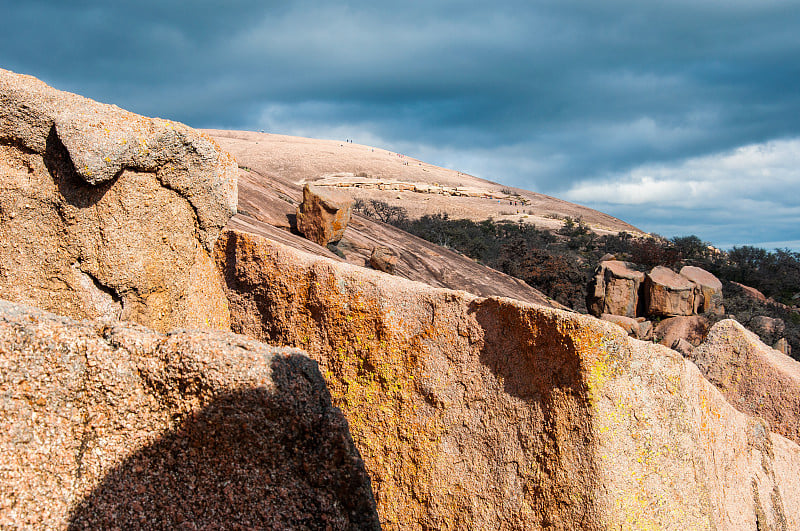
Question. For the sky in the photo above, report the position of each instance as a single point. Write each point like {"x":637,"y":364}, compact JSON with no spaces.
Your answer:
{"x":680,"y":117}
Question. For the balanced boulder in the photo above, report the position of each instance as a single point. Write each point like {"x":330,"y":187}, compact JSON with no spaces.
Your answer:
{"x":323,"y":215}
{"x":107,"y":213}
{"x":667,"y":293}
{"x":614,"y":289}
{"x":708,"y":290}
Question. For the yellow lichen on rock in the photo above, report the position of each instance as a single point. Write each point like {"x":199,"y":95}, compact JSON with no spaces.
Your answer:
{"x":494,"y":414}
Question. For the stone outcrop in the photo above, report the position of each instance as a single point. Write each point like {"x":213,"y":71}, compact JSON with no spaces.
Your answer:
{"x":383,"y":259}
{"x":108,"y":425}
{"x":107,"y":213}
{"x":755,"y":378}
{"x":622,"y":295}
{"x":767,"y":326}
{"x":494,"y":414}
{"x":708,"y":290}
{"x":323,"y":215}
{"x":667,"y":293}
{"x":615,"y":289}
{"x":753,"y":293}
{"x":691,"y":329}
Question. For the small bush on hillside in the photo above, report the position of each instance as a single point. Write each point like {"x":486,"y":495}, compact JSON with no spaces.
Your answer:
{"x":578,"y":234}
{"x":560,"y":264}
{"x":382,"y":211}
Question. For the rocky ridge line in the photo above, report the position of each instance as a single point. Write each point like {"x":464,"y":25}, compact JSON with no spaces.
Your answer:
{"x":102,"y":140}
{"x":495,"y":414}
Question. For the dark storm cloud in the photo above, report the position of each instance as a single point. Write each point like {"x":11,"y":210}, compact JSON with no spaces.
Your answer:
{"x":538,"y":94}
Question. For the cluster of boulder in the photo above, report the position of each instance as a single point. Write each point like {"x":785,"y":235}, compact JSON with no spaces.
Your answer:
{"x":382,"y":402}
{"x":680,"y":302}
{"x":621,"y":294}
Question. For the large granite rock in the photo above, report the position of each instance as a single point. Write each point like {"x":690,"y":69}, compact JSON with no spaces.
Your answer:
{"x":614,"y":289}
{"x":476,"y":413}
{"x":323,"y":215}
{"x":755,"y":378}
{"x":667,"y":293}
{"x":107,"y":213}
{"x":708,"y":290}
{"x":112,"y":426}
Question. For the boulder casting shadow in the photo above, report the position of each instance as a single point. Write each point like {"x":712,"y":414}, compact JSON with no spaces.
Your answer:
{"x":262,"y":458}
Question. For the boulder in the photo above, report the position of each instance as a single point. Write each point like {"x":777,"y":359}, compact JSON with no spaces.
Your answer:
{"x":693,"y":329}
{"x":323,"y":215}
{"x":645,"y":330}
{"x":708,"y":290}
{"x":614,"y":289}
{"x":489,"y":413}
{"x":629,"y":324}
{"x":756,"y":379}
{"x":107,"y":213}
{"x":683,"y":346}
{"x":383,"y":259}
{"x":753,"y":293}
{"x":668,"y":293}
{"x":768,"y":328}
{"x":640,"y":329}
{"x":113,"y":426}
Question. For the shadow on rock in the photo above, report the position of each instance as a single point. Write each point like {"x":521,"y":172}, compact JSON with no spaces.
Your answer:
{"x":260,"y":458}
{"x":537,"y":360}
{"x":72,"y":187}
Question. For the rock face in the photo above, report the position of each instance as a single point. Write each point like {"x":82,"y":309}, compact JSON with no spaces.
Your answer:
{"x":323,"y":215}
{"x":615,"y":289}
{"x":668,"y":293}
{"x":383,"y":259}
{"x":476,"y":413}
{"x":708,"y":290}
{"x":112,"y":426}
{"x":755,"y":378}
{"x":106,"y":213}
